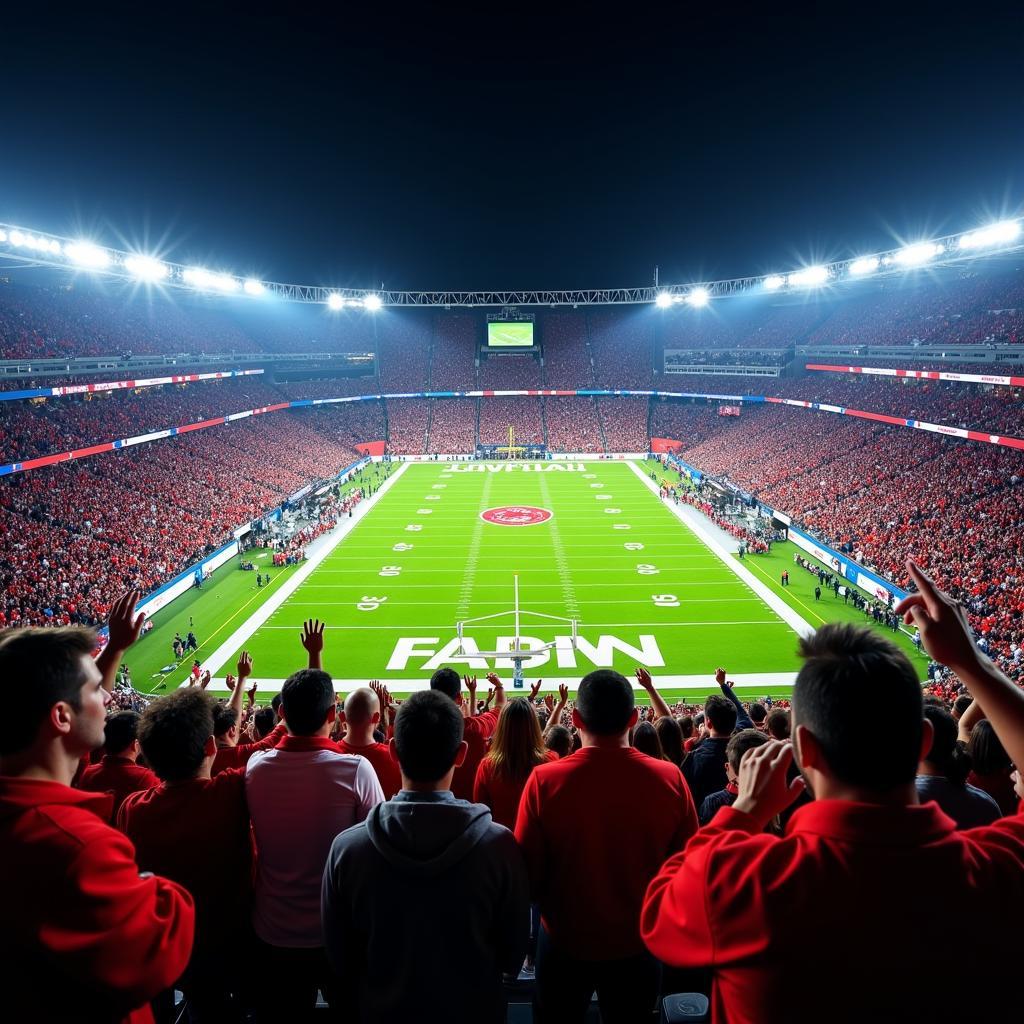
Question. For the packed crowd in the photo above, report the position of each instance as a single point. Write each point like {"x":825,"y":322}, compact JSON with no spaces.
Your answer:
{"x":261,"y":858}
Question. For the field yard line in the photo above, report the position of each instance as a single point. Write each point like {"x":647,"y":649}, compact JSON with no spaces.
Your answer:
{"x":618,"y":624}
{"x":800,"y":625}
{"x":756,"y":682}
{"x":473,"y":556}
{"x":263,"y":613}
{"x":561,"y":562}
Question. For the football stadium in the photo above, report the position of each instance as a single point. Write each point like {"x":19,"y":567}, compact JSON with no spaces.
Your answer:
{"x":379,"y":647}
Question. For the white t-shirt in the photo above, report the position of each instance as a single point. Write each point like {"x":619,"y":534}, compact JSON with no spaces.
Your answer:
{"x":301,"y":795}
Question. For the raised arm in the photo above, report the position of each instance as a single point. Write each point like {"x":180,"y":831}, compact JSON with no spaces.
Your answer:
{"x":946,"y":636}
{"x":556,"y":712}
{"x":659,"y":708}
{"x":312,"y":637}
{"x":499,"y":690}
{"x":743,"y":720}
{"x":244,"y":671}
{"x":123,"y":629}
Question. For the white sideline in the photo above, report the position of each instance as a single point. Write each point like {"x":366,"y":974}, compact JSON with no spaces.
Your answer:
{"x":801,"y":626}
{"x":755,"y":682}
{"x":237,"y":639}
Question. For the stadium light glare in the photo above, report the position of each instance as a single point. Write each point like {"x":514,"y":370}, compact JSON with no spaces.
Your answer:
{"x":698,"y":297}
{"x":146,"y":268}
{"x":663,"y":300}
{"x":253,"y":287}
{"x":208,"y":280}
{"x":17,"y":238}
{"x":1002,"y":233}
{"x":918,"y":253}
{"x":372,"y":303}
{"x":773,"y":282}
{"x":3,"y":235}
{"x":335,"y":301}
{"x":87,"y":254}
{"x":809,"y":277}
{"x":864,"y":265}
{"x":54,"y":246}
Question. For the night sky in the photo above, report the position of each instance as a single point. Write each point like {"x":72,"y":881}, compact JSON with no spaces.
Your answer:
{"x":509,"y":149}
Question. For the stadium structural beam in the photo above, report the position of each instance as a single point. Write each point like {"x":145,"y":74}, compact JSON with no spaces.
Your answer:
{"x":40,"y":249}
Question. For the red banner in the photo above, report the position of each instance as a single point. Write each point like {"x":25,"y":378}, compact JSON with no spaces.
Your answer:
{"x":661,"y":445}
{"x":371,"y":447}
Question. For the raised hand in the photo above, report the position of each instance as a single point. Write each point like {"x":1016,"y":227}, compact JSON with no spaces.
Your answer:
{"x":490,"y":697}
{"x":204,"y":682}
{"x":945,"y":632}
{"x":123,"y":625}
{"x":244,"y":667}
{"x":535,"y":689}
{"x":312,"y":637}
{"x":720,"y":676}
{"x":549,"y":703}
{"x":251,"y":694}
{"x":229,"y":680}
{"x":563,"y":694}
{"x":643,"y":677}
{"x":764,"y":789}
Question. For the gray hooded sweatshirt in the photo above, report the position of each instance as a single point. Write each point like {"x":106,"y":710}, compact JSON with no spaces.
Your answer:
{"x":425,"y":904}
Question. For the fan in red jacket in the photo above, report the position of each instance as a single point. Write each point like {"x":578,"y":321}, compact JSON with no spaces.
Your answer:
{"x":231,"y":753}
{"x":361,"y":716}
{"x":85,"y":936}
{"x":847,"y":916}
{"x":118,"y":773}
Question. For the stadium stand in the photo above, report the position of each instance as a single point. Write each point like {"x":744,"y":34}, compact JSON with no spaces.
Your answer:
{"x":573,"y":425}
{"x":522,"y":414}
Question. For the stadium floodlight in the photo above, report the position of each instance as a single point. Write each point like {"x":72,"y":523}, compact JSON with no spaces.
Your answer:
{"x":372,"y":303}
{"x":1002,"y":233}
{"x":773,"y":282}
{"x":17,"y":238}
{"x":87,"y":254}
{"x":864,"y":265}
{"x":809,"y":277}
{"x":253,"y":287}
{"x":698,"y":297}
{"x":208,"y":280}
{"x":335,"y":301}
{"x":146,"y":268}
{"x":663,"y":300}
{"x":918,"y":253}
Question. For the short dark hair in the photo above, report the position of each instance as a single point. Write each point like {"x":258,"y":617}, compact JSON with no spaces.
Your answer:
{"x":740,"y":742}
{"x":777,"y":724}
{"x":265,"y":720}
{"x":962,"y":703}
{"x":307,"y":698}
{"x":173,"y":732}
{"x":605,"y":702}
{"x":758,"y":713}
{"x":120,"y":731}
{"x":447,"y":681}
{"x":224,"y":717}
{"x":946,"y":753}
{"x":842,"y":663}
{"x":45,"y":665}
{"x":275,"y":702}
{"x":720,"y":714}
{"x":428,"y":731}
{"x":559,"y":739}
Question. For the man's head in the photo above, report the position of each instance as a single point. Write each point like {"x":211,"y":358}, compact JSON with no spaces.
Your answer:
{"x":960,"y":705}
{"x":446,"y":681}
{"x":362,"y":708}
{"x":842,"y":664}
{"x":225,"y":724}
{"x":720,"y":715}
{"x":265,"y":719}
{"x":738,"y":745}
{"x":56,"y":691}
{"x":605,"y":705}
{"x":176,"y":734}
{"x":119,"y":734}
{"x":776,"y":725}
{"x":428,"y":742}
{"x":307,"y":701}
{"x":758,"y":713}
{"x":559,"y":739}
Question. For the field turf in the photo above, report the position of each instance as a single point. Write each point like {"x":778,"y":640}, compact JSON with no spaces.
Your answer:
{"x":644,"y":588}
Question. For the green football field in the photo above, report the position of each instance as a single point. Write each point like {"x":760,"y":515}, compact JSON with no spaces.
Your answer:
{"x":643,"y":587}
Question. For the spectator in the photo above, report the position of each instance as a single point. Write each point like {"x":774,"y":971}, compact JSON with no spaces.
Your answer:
{"x":362,"y":714}
{"x":777,"y":724}
{"x":645,"y":739}
{"x":704,"y":769}
{"x":590,"y":844}
{"x":991,"y":767}
{"x":517,"y":747}
{"x":942,"y":775}
{"x":739,"y":743}
{"x":479,"y":728}
{"x":671,"y":736}
{"x":758,"y":713}
{"x":85,"y":934}
{"x":772,"y":963}
{"x":231,"y":753}
{"x":558,"y":739}
{"x":118,"y":773}
{"x":424,"y":875}
{"x":301,"y":795}
{"x":194,"y":828}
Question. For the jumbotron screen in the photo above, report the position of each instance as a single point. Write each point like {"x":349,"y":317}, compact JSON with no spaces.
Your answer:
{"x":509,"y":335}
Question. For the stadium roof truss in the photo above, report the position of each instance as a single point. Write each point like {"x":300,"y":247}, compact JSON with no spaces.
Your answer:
{"x":30,"y":248}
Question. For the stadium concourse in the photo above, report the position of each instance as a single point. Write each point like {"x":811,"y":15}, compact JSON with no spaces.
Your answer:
{"x":248,"y":905}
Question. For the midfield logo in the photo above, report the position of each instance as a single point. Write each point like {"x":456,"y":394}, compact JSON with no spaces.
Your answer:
{"x":516,"y":515}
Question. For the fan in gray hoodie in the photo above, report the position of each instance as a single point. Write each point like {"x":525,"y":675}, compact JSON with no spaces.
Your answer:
{"x":425,"y":903}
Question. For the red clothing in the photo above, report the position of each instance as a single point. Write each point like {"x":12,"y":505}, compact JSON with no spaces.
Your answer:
{"x":238,"y":755}
{"x":999,"y":786}
{"x":84,"y":936}
{"x":389,"y":775}
{"x":477,"y":731}
{"x":197,"y":833}
{"x":502,"y":795}
{"x":595,"y":828}
{"x":118,"y":776}
{"x":846,"y":917}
